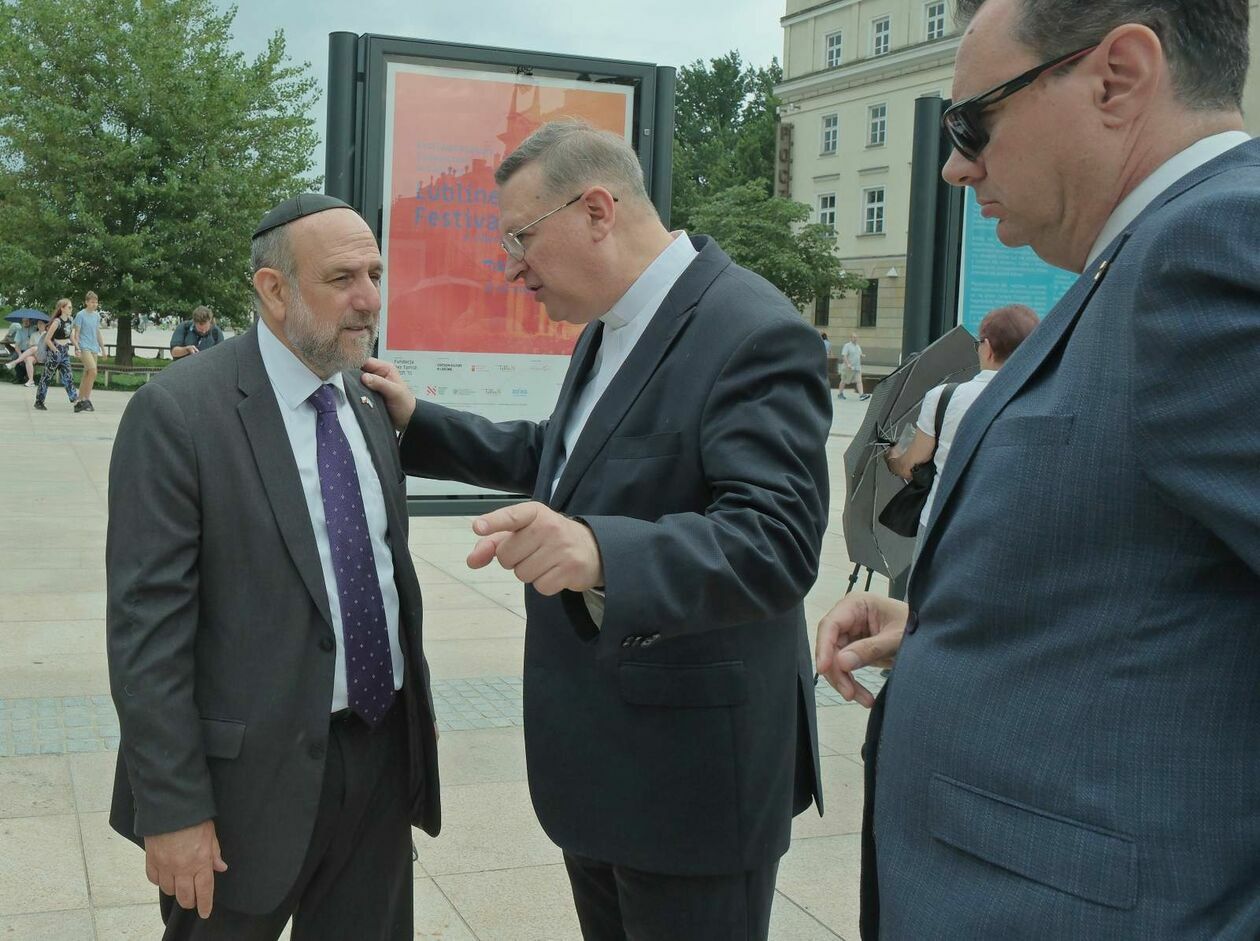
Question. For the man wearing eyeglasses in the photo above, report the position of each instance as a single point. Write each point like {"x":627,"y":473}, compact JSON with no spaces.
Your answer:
{"x":1070,"y":741}
{"x":679,"y":501}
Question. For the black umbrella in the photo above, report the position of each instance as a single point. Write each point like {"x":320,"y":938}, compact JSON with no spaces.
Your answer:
{"x":27,"y":314}
{"x":894,"y":406}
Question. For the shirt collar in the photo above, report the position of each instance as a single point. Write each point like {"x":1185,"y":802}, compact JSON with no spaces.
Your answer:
{"x":1189,"y":160}
{"x":664,"y":270}
{"x":290,"y":377}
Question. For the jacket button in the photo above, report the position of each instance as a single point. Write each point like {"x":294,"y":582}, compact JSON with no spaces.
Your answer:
{"x":912,"y":623}
{"x":628,"y":640}
{"x":327,"y":643}
{"x":651,"y":639}
{"x":316,"y":750}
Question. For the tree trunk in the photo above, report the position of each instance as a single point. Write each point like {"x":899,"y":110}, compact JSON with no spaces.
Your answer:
{"x":124,"y":355}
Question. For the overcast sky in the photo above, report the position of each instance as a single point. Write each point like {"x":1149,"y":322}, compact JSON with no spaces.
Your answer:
{"x":663,"y":32}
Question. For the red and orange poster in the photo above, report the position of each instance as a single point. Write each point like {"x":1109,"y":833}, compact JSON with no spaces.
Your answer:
{"x":448,"y":131}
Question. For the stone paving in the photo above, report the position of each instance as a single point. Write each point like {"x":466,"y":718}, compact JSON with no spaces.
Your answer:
{"x":491,"y":876}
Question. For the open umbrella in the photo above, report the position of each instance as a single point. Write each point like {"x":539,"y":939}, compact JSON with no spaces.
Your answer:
{"x":27,"y":314}
{"x":894,"y":405}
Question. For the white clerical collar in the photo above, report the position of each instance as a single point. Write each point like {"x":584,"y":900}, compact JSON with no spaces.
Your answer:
{"x":1145,"y":193}
{"x":664,"y":270}
{"x":291,"y":378}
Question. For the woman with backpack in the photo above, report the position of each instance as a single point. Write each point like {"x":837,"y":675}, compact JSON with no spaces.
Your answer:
{"x":57,"y":354}
{"x":1001,"y":332}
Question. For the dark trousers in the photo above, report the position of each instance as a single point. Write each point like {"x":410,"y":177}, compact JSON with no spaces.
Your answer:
{"x":356,"y":880}
{"x":868,"y":923}
{"x":616,"y":903}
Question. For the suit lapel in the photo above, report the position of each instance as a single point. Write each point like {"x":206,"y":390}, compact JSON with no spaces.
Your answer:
{"x":580,"y":365}
{"x":667,"y":322}
{"x":378,"y":438}
{"x":269,"y":440}
{"x":1046,"y":341}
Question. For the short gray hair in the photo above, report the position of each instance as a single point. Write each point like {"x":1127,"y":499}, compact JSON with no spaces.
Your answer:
{"x":272,"y":250}
{"x":574,"y":155}
{"x":1205,"y":40}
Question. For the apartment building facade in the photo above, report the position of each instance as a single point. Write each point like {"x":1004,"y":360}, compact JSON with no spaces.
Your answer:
{"x":852,"y":70}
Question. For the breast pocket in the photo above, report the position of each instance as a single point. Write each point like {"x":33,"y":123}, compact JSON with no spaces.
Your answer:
{"x":1030,"y":431}
{"x":638,"y":447}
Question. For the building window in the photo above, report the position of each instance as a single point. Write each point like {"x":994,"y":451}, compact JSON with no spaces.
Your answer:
{"x":827,"y":211}
{"x":935,"y":21}
{"x":873,"y":211}
{"x":881,"y":36}
{"x":830,"y":133}
{"x":834,"y":42}
{"x":878,"y":125}
{"x":822,"y":310}
{"x":870,"y":304}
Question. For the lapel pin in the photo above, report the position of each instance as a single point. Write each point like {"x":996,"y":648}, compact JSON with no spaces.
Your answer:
{"x":366,"y":401}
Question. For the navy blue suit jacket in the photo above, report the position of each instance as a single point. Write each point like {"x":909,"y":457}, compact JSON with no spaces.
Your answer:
{"x":1071,"y":747}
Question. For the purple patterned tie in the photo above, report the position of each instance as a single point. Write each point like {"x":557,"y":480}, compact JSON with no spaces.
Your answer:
{"x":369,"y":663}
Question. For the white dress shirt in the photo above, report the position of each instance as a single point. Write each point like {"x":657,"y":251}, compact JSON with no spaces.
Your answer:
{"x":1168,"y":173}
{"x":623,"y":326}
{"x":293,"y":383}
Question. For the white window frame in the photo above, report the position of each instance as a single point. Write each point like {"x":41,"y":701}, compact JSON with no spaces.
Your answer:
{"x":827,"y":214}
{"x":830,"y":139}
{"x":885,"y":35}
{"x":829,"y":61}
{"x":877,"y":127}
{"x":929,"y":19}
{"x":874,"y":224}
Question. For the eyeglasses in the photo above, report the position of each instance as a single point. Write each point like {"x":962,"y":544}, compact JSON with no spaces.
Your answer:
{"x":981,"y":341}
{"x":962,"y":121}
{"x":511,"y":241}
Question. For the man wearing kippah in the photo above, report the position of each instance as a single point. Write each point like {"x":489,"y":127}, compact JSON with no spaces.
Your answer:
{"x":264,"y":619}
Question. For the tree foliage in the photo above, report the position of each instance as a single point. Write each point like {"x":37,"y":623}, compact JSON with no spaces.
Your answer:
{"x":724,"y":145}
{"x":137,"y":151}
{"x":770,"y":235}
{"x":724,"y":122}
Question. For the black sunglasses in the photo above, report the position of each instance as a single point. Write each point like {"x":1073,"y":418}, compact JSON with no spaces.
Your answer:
{"x":962,"y":122}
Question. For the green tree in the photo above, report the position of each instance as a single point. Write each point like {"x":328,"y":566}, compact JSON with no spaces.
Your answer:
{"x":768,"y":235}
{"x":724,"y":130}
{"x":137,"y":151}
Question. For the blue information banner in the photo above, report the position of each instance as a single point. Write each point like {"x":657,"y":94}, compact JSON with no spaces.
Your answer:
{"x":993,"y":275}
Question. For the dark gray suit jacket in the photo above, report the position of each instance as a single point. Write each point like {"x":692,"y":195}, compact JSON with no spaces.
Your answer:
{"x":221,"y":650}
{"x":681,"y":737}
{"x":1071,"y":747}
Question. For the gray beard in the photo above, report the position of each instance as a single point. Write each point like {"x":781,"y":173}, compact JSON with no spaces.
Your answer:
{"x":321,"y":349}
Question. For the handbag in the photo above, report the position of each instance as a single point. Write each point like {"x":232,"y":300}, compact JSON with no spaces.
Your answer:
{"x":901,"y":513}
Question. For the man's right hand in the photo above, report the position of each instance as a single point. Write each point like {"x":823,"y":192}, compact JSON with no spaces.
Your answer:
{"x":183,"y":864}
{"x":383,"y":379}
{"x":861,"y":630}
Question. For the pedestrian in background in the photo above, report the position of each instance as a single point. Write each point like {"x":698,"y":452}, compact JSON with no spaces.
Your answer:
{"x":57,"y":355}
{"x":85,"y":336}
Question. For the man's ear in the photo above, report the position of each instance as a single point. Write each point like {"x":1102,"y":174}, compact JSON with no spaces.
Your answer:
{"x":273,"y":290}
{"x":601,"y":211}
{"x":1131,"y":68}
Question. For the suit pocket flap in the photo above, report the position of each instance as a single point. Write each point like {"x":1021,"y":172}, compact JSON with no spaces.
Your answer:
{"x":684,"y":686}
{"x":1085,"y":861}
{"x":222,"y":738}
{"x":639,"y":446}
{"x":1030,"y":431}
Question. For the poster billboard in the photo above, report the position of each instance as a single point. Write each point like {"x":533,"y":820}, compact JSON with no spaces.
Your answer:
{"x":457,"y":331}
{"x":993,"y":275}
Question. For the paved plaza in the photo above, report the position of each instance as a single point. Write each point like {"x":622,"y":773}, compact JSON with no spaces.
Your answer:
{"x":491,"y":876}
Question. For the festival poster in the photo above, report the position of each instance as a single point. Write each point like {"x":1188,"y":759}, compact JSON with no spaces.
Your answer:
{"x":457,"y":331}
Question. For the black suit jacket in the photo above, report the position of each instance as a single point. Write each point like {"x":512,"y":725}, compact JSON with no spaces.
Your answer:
{"x":680,"y":737}
{"x":220,"y":643}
